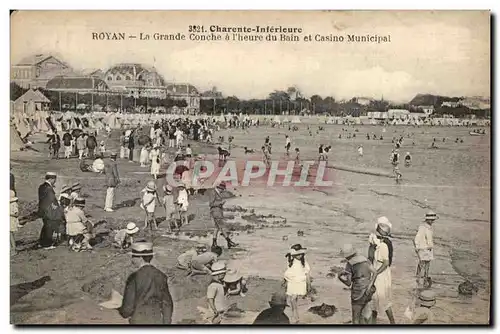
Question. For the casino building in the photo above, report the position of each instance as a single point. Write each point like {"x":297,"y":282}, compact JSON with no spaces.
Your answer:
{"x":138,"y":80}
{"x":130,"y":79}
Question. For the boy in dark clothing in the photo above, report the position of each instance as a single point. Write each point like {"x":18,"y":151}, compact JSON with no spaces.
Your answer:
{"x":359,"y":275}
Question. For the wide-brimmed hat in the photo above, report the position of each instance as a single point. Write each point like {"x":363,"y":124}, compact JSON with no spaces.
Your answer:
{"x":132,"y":228}
{"x":79,"y":201}
{"x":65,"y":188}
{"x":151,"y":186}
{"x":383,"y":226}
{"x":383,"y":230}
{"x":348,"y":250}
{"x":232,"y":276}
{"x":427,"y":298}
{"x":218,"y":267}
{"x":50,"y":175}
{"x":278,"y":299}
{"x":140,"y":249}
{"x":76,"y":186}
{"x":297,"y":249}
{"x":181,"y":185}
{"x":222,"y":185}
{"x":113,"y":155}
{"x":431,"y":215}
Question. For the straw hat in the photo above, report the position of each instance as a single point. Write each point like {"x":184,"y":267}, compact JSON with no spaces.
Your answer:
{"x":431,"y":215}
{"x":151,"y":186}
{"x":232,"y":276}
{"x":383,"y":226}
{"x":278,"y":299}
{"x":297,"y":249}
{"x":65,"y":188}
{"x":51,"y":175}
{"x":167,"y":188}
{"x":427,"y":298}
{"x":383,"y":230}
{"x":181,"y":185}
{"x":348,"y":251}
{"x":76,"y":186}
{"x":218,"y":267}
{"x":113,"y":155}
{"x":140,"y":249}
{"x":132,"y":228}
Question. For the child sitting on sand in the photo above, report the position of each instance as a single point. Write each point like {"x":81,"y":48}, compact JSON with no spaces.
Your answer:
{"x":422,"y":314}
{"x":184,"y":260}
{"x":201,"y":264}
{"x":78,"y":227}
{"x":124,"y":238}
{"x":407,"y":159}
{"x":234,"y":284}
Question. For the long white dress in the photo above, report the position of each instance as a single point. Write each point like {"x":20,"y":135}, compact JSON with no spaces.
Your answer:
{"x":296,"y":278}
{"x":382,"y":299}
{"x":144,"y":156}
{"x":154,"y":155}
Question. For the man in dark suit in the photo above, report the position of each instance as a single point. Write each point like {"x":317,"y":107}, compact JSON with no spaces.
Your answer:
{"x":49,"y":210}
{"x":147,"y":299}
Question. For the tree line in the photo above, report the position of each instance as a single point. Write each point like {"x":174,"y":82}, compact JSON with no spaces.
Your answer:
{"x":213,"y":103}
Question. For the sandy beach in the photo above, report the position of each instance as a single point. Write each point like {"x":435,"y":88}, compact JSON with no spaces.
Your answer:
{"x":453,"y":180}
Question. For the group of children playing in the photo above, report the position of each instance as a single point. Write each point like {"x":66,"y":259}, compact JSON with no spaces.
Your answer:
{"x":78,"y":227}
{"x":149,"y":197}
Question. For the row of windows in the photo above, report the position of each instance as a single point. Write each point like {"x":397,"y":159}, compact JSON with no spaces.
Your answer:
{"x":22,"y":74}
{"x":119,"y":78}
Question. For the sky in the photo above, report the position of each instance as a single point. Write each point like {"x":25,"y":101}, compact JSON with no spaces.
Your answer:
{"x":437,"y":52}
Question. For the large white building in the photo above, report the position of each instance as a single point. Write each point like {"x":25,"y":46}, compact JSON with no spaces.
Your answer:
{"x":138,"y":80}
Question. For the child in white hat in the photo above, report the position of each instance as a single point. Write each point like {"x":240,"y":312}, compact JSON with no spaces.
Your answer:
{"x":215,"y":292}
{"x":148,"y":204}
{"x":124,"y":238}
{"x":235,"y":284}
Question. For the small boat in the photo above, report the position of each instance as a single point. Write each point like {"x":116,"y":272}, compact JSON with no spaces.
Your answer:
{"x":472,"y":133}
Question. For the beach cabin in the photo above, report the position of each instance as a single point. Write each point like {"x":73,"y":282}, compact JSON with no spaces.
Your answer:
{"x":31,"y":102}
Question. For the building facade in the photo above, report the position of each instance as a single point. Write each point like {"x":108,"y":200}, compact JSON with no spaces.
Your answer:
{"x":137,"y":80}
{"x":35,"y":71}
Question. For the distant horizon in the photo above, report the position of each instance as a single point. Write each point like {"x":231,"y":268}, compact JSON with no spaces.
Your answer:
{"x":445,"y":53}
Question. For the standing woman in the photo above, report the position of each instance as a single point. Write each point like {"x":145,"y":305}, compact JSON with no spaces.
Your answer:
{"x":380,"y":254}
{"x":154,"y":156}
{"x":144,"y":158}
{"x":297,"y":277}
{"x":131,"y":146}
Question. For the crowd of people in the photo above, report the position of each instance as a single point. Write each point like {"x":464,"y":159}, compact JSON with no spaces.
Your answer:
{"x":147,"y":298}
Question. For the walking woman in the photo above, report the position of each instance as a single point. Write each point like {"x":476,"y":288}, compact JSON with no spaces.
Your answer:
{"x":380,"y":254}
{"x":297,"y":277}
{"x":154,"y":156}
